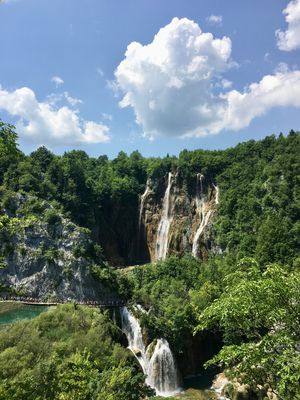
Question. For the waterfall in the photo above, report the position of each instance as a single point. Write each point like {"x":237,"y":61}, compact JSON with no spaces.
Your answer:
{"x":203,"y":212}
{"x":133,"y":332}
{"x":142,"y":202}
{"x":164,"y":224}
{"x":162,"y":371}
{"x":159,"y":367}
{"x":217,"y":193}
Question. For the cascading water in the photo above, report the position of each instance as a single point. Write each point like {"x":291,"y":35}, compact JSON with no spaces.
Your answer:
{"x":217,"y":193}
{"x":142,"y":202}
{"x":203,"y":212}
{"x":133,"y":332}
{"x":159,"y":367}
{"x":164,"y":224}
{"x":162,"y":371}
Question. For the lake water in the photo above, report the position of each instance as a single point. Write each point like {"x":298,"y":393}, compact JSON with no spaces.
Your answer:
{"x":12,"y":312}
{"x":202,"y":381}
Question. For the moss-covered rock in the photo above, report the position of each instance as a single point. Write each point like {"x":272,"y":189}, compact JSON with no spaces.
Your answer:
{"x":38,"y":257}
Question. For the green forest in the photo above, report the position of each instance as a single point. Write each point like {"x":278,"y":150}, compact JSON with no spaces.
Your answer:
{"x":242,"y":303}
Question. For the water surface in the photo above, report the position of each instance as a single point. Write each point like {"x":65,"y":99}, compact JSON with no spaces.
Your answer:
{"x":12,"y":312}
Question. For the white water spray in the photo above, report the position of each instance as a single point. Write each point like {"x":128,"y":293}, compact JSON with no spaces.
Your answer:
{"x":203,"y":212}
{"x":159,"y":367}
{"x":164,"y":224}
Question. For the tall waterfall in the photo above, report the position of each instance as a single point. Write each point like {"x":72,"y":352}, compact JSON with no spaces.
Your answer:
{"x":159,"y":367}
{"x":203,"y":212}
{"x":142,"y":202}
{"x":164,"y":224}
{"x":217,"y":193}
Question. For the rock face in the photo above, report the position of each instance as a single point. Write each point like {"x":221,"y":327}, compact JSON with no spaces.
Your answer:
{"x":164,"y":220}
{"x":117,"y":232}
{"x":46,"y":259}
{"x":190,"y":212}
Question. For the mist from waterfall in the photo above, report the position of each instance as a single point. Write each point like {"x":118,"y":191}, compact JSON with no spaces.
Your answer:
{"x":164,"y":224}
{"x":159,"y":366}
{"x":203,"y":212}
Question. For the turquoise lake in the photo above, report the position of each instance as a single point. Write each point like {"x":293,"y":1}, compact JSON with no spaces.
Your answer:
{"x":12,"y":312}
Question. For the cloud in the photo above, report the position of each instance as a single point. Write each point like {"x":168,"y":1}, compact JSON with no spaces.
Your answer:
{"x":43,"y":122}
{"x":57,"y":80}
{"x":176,"y":85}
{"x":279,"y":90}
{"x":107,"y":116}
{"x":113,"y":87}
{"x":215,"y":19}
{"x":100,"y":72}
{"x":56,"y":98}
{"x":281,"y":67}
{"x":73,"y":101}
{"x":226,"y":83}
{"x":290,"y":39}
{"x":169,"y":82}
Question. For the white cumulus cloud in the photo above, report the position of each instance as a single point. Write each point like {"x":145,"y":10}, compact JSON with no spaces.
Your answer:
{"x":169,"y":81}
{"x":57,"y":80}
{"x":176,"y":84}
{"x":279,"y":90}
{"x":43,"y":122}
{"x":215,"y":19}
{"x":290,"y":39}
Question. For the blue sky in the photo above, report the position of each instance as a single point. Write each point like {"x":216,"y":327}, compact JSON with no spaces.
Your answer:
{"x":64,"y":73}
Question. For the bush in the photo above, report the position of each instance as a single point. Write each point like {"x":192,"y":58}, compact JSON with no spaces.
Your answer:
{"x":52,"y":217}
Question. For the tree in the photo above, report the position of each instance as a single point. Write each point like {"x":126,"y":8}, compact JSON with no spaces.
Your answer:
{"x":9,"y":152}
{"x":123,"y":382}
{"x":259,"y":315}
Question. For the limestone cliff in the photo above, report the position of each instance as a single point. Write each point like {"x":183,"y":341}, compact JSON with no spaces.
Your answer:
{"x":191,"y":216}
{"x":46,"y":255}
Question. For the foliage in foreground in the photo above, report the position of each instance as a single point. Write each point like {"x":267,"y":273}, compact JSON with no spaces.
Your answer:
{"x":70,"y":353}
{"x":254,"y":308}
{"x":259,"y":314}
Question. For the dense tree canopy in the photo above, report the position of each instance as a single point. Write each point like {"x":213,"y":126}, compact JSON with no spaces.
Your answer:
{"x":70,"y":353}
{"x":248,"y":294}
{"x":258,"y":181}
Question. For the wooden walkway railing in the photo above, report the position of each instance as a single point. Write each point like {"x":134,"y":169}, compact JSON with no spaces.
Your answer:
{"x":40,"y":302}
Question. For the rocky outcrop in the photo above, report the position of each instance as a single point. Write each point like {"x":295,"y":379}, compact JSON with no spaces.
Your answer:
{"x":189,"y":209}
{"x":117,"y":232}
{"x":233,"y":390}
{"x":46,"y":256}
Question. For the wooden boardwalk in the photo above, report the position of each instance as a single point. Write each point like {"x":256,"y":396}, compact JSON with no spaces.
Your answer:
{"x":39,"y":302}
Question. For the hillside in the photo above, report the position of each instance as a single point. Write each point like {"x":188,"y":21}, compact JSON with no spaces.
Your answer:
{"x":214,"y":237}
